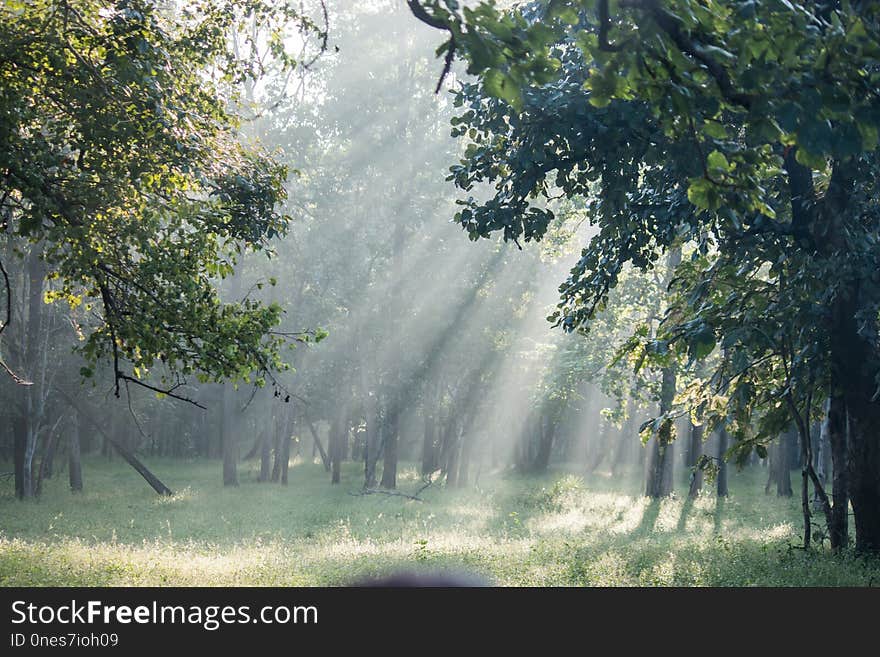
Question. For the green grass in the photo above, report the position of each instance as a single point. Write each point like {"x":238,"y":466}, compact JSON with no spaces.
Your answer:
{"x":560,"y":529}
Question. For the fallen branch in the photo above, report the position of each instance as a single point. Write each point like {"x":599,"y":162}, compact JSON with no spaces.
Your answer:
{"x":395,"y":493}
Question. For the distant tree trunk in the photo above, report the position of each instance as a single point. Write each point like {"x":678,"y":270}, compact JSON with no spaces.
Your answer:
{"x":721,"y":489}
{"x":45,"y":470}
{"x":464,"y":464}
{"x":838,"y":431}
{"x":546,"y":428}
{"x":285,"y":457}
{"x":389,"y":463}
{"x":373,"y":444}
{"x":22,"y":476}
{"x":628,"y":436}
{"x":695,"y":451}
{"x":265,"y":456}
{"x":602,"y":446}
{"x":335,"y":447}
{"x":47,"y":465}
{"x":449,"y":450}
{"x":229,"y":437}
{"x":773,"y":458}
{"x":429,"y":451}
{"x":74,"y":466}
{"x":822,"y":453}
{"x":276,"y":463}
{"x":783,"y":465}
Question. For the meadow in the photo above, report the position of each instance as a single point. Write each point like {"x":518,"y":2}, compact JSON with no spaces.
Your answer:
{"x":561,"y":529}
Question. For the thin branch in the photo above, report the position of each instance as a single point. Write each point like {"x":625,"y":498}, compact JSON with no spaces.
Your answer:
{"x":163,"y":391}
{"x":396,"y":493}
{"x":420,"y":13}
{"x":604,"y":27}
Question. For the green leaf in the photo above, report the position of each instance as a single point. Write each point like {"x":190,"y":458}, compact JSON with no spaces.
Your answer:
{"x":499,"y":85}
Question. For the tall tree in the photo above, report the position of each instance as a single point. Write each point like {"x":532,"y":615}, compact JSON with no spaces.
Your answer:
{"x":748,"y":128}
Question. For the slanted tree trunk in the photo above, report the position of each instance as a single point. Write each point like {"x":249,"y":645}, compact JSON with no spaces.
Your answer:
{"x":74,"y":466}
{"x":45,"y":470}
{"x":144,"y":472}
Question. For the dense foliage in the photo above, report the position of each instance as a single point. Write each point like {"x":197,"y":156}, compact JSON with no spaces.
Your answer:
{"x":748,"y":128}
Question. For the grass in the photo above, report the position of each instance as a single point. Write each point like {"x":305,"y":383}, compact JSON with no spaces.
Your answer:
{"x":560,"y":529}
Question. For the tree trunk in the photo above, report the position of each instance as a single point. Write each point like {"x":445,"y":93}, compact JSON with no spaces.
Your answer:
{"x":695,"y":451}
{"x":144,"y":472}
{"x":265,"y":457}
{"x":276,"y":463}
{"x":285,"y":457}
{"x":335,"y":447}
{"x":783,"y":464}
{"x":229,"y":438}
{"x":74,"y":466}
{"x":660,"y":463}
{"x":27,"y":424}
{"x":546,"y":430}
{"x":373,"y":446}
{"x":837,"y":437}
{"x":864,"y":473}
{"x":822,"y":453}
{"x":429,"y":451}
{"x":773,"y":458}
{"x":464,"y":462}
{"x":325,"y":459}
{"x":45,"y":471}
{"x":389,"y":463}
{"x":721,"y":489}
{"x":854,"y":368}
{"x":449,"y":450}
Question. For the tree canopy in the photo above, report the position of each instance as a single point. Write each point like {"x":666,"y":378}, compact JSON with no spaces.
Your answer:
{"x":120,"y":159}
{"x":747,"y":128}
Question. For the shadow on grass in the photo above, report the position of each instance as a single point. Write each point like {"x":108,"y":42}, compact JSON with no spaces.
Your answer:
{"x":649,"y":518}
{"x":681,"y":525}
{"x":718,"y":516}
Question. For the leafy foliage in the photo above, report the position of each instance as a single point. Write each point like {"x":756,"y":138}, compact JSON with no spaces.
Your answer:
{"x":121,"y":158}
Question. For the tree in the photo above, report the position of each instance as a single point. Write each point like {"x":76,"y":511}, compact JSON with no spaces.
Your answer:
{"x":120,"y":161}
{"x":747,"y":128}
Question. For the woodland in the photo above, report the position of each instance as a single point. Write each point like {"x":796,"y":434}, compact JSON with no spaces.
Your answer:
{"x":558,"y":292}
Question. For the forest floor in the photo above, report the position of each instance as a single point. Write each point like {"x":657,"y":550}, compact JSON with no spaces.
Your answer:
{"x":559,"y":529}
